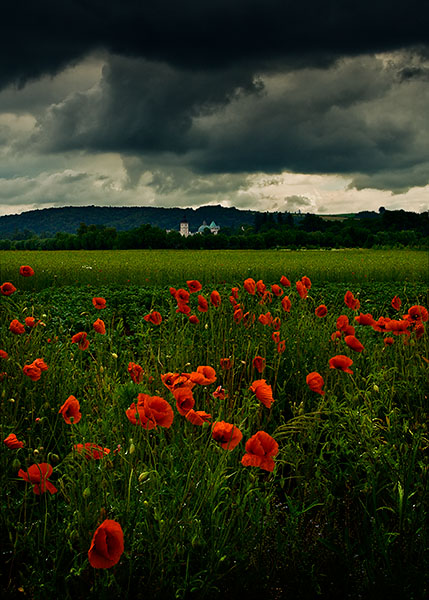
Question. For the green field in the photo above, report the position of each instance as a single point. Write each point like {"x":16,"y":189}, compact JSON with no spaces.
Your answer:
{"x":342,"y":514}
{"x":171,"y":267}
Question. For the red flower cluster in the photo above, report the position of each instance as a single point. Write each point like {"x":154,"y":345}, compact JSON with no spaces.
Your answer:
{"x":34,"y":370}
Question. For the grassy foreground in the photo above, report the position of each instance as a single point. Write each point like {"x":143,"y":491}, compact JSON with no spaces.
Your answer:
{"x":340,"y":511}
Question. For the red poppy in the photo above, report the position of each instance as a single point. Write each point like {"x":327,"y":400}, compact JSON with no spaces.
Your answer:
{"x":389,"y":341}
{"x":281,"y":346}
{"x":219,"y":393}
{"x":284,"y":281}
{"x":173,"y":291}
{"x":286,"y":303}
{"x":38,"y":476}
{"x":16,"y":327}
{"x":353,"y":343}
{"x":234,"y":292}
{"x":342,"y":322}
{"x":227,"y":434}
{"x":301,"y":289}
{"x":40,"y":364}
{"x":153,"y":317}
{"x":341,"y":362}
{"x":266,"y":319}
{"x":107,"y":545}
{"x":30,"y":321}
{"x":183,"y":308}
{"x":4,"y":354}
{"x":26,"y":271}
{"x":136,"y":372}
{"x":174,"y":380}
{"x":263,"y":391}
{"x":259,"y":363}
{"x":396,"y":302}
{"x":194,"y":285}
{"x":276,"y":324}
{"x":215,"y":298}
{"x":12,"y":442}
{"x":381,"y":324}
{"x":306,"y":281}
{"x":182,"y":296}
{"x":99,"y":303}
{"x":71,"y":410}
{"x":248,"y":319}
{"x":321,"y":311}
{"x":198,"y":417}
{"x":99,"y":326}
{"x":260,"y":287}
{"x":184,"y":399}
{"x":315,"y":382}
{"x":419,"y":330}
{"x":398,"y":327}
{"x":225,"y":364}
{"x":91,"y":450}
{"x":233,"y":301}
{"x":32,"y":371}
{"x":7,"y":288}
{"x":417,"y":313}
{"x":204,"y":375}
{"x":238,"y":314}
{"x":364,"y":319}
{"x":351,"y":301}
{"x":194,"y":319}
{"x":203,"y":305}
{"x":150,"y":411}
{"x":275,"y":336}
{"x":277,"y":290}
{"x":335,"y":336}
{"x":80,"y":340}
{"x":250,"y":286}
{"x":260,"y":449}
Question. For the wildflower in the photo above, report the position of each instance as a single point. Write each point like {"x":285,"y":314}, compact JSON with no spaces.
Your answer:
{"x":71,"y":410}
{"x":32,"y":371}
{"x":40,"y":364}
{"x":396,"y":302}
{"x":184,"y":399}
{"x":284,"y":281}
{"x":225,"y":364}
{"x":248,"y":319}
{"x":364,"y":319}
{"x":99,"y":303}
{"x":90,"y":450}
{"x":99,"y":326}
{"x":16,"y":327}
{"x":182,"y":296}
{"x":250,"y":286}
{"x":227,"y":434}
{"x":419,"y":330}
{"x":136,"y":372}
{"x":263,"y":392}
{"x":194,"y":319}
{"x":4,"y":354}
{"x":7,"y":288}
{"x":80,"y":340}
{"x":315,"y":382}
{"x":107,"y":545}
{"x":417,"y":313}
{"x":204,"y":375}
{"x":150,"y":411}
{"x":203,"y":305}
{"x":398,"y":327}
{"x":259,"y":363}
{"x":281,"y":346}
{"x":275,"y":336}
{"x":286,"y":303}
{"x":389,"y":341}
{"x":38,"y":475}
{"x":335,"y":336}
{"x":351,"y":301}
{"x":219,"y":393}
{"x":321,"y":311}
{"x":26,"y":271}
{"x":260,"y":449}
{"x":301,"y":289}
{"x":277,"y":290}
{"x":261,"y":287}
{"x":153,"y":317}
{"x":306,"y":281}
{"x":353,"y":343}
{"x":266,"y":319}
{"x":183,"y":308}
{"x":276,"y":324}
{"x":381,"y":324}
{"x":234,"y":293}
{"x":12,"y":442}
{"x":341,"y":362}
{"x":215,"y":298}
{"x":198,"y":417}
{"x":173,"y":291}
{"x":194,"y":286}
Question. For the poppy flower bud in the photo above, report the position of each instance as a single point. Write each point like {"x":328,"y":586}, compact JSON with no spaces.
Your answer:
{"x":114,"y":355}
{"x":86,"y":492}
{"x":143,"y":476}
{"x":375,"y":388}
{"x":132,"y":449}
{"x":16,"y":464}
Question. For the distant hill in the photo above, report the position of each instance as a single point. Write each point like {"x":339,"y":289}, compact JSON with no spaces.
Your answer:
{"x":49,"y":221}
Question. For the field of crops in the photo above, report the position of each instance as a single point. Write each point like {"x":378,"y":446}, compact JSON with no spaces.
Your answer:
{"x":212,"y":425}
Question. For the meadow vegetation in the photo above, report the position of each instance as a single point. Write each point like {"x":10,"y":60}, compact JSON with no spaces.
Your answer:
{"x":138,"y":396}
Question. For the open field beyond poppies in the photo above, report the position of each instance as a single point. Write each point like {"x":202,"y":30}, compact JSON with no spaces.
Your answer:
{"x":214,"y":424}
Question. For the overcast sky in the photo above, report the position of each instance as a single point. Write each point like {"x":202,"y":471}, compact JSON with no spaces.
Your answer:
{"x":321,"y":106}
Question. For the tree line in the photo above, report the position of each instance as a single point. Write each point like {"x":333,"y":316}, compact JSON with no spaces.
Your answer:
{"x":270,"y":230}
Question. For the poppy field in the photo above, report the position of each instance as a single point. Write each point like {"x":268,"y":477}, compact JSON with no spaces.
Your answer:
{"x":215,"y":435}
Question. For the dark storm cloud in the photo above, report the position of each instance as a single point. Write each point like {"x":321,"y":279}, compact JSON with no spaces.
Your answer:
{"x":43,"y":37}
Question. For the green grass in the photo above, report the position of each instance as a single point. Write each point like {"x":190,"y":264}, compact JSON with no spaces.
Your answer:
{"x":343,"y":514}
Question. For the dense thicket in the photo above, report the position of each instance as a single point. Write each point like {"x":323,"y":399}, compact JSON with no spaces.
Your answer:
{"x":269,"y":230}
